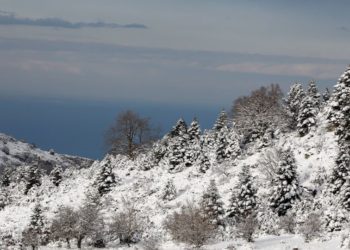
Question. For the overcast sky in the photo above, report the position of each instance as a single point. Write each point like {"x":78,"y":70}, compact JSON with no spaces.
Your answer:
{"x":197,"y":53}
{"x":168,"y":51}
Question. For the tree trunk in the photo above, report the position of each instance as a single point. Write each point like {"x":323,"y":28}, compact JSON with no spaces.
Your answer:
{"x":80,"y":239}
{"x":68,"y":243}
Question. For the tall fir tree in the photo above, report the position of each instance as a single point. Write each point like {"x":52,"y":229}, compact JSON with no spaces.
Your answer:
{"x":179,"y":129}
{"x":326,"y":95}
{"x":243,"y":201}
{"x":308,"y":110}
{"x":204,"y":164}
{"x":169,"y":192}
{"x":345,"y":199}
{"x":177,"y":146}
{"x":194,"y":130}
{"x":193,"y":144}
{"x":33,"y":177}
{"x":286,"y":188}
{"x":56,"y":176}
{"x":212,"y":204}
{"x":105,"y":179}
{"x":6,"y":177}
{"x":339,"y":113}
{"x":221,"y":121}
{"x":341,"y":169}
{"x":293,"y":102}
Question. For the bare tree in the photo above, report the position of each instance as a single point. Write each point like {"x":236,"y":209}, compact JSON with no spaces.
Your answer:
{"x":312,"y":227}
{"x":79,"y":224}
{"x":130,"y":133}
{"x":247,"y":228}
{"x":260,"y":112}
{"x":64,"y":225}
{"x":190,"y":225}
{"x":127,"y":225}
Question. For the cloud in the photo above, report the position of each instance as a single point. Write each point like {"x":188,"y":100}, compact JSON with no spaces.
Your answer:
{"x":48,"y":66}
{"x":344,"y":28}
{"x":8,"y":18}
{"x":313,"y":70}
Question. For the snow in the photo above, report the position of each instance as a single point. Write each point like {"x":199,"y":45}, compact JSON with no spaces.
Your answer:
{"x":314,"y":153}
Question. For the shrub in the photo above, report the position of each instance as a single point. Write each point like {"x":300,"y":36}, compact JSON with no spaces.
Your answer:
{"x":311,"y":227}
{"x":190,"y":226}
{"x":247,"y":227}
{"x":127,"y":225}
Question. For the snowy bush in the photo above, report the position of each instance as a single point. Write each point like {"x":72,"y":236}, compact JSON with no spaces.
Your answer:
{"x":127,"y":225}
{"x":190,"y":226}
{"x":247,"y":227}
{"x":312,"y":227}
{"x":287,"y":223}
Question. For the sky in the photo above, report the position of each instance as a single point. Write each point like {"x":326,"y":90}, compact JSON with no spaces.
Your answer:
{"x":68,"y":67}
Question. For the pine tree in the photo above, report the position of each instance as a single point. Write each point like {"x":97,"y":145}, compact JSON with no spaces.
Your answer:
{"x":105,"y":179}
{"x":294,"y":98}
{"x":243,"y":199}
{"x":314,"y":93}
{"x":193,"y":144}
{"x":34,"y":234}
{"x":339,"y":115}
{"x":179,"y":129}
{"x":308,"y":110}
{"x":204,"y":163}
{"x":56,"y":176}
{"x":169,"y":192}
{"x":227,"y":142}
{"x":194,"y":131}
{"x":326,"y":95}
{"x":177,"y":146}
{"x":341,"y":170}
{"x":212,"y":204}
{"x":286,"y":188}
{"x":221,"y":121}
{"x":37,"y":219}
{"x":33,"y":177}
{"x":6,"y":177}
{"x":345,"y":199}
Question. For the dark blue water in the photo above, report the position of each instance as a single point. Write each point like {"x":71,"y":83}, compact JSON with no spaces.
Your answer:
{"x":78,"y":127}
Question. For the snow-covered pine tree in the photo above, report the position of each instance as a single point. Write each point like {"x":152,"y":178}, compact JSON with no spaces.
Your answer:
{"x":339,"y":113}
{"x":345,"y":199}
{"x":179,"y":129}
{"x":204,"y":164}
{"x":221,"y":121}
{"x":33,"y":177}
{"x":193,"y":145}
{"x":6,"y":177}
{"x":243,"y":201}
{"x":314,"y":93}
{"x":286,"y":188}
{"x":177,"y":145}
{"x":341,"y":170}
{"x":308,"y":110}
{"x":212,"y":205}
{"x":169,"y":192}
{"x":56,"y":175}
{"x":37,"y":219}
{"x":105,"y":179}
{"x":221,"y":144}
{"x":227,"y":144}
{"x":34,"y":233}
{"x":293,"y":102}
{"x":326,"y":95}
{"x":194,"y":130}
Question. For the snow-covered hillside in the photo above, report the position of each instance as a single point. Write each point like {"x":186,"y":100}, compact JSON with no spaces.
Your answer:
{"x":290,"y":180}
{"x":16,"y":153}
